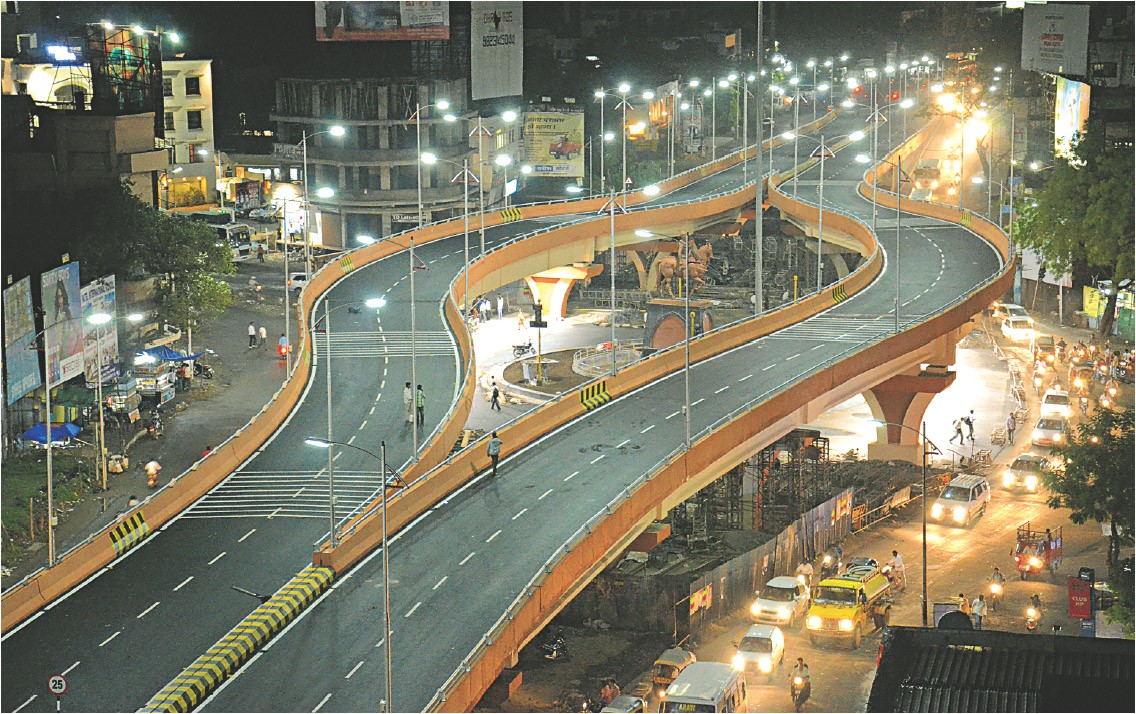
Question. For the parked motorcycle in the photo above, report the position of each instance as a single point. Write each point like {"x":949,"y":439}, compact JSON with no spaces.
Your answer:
{"x":522,"y":350}
{"x":200,"y":369}
{"x":555,"y":648}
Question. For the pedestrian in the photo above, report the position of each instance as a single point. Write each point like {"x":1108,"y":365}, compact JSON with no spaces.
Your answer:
{"x":494,"y":402}
{"x":500,"y":307}
{"x":252,"y":335}
{"x":208,"y":450}
{"x":1011,"y":424}
{"x":520,"y":321}
{"x":969,"y":421}
{"x":263,"y":336}
{"x":957,"y":426}
{"x":408,"y":403}
{"x":260,"y":252}
{"x":963,"y":604}
{"x":420,"y":405}
{"x":152,"y":469}
{"x":493,"y":450}
{"x":899,"y":572}
{"x":978,"y":610}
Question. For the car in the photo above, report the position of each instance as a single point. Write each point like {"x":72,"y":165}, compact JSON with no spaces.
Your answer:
{"x":762,"y":649}
{"x":962,"y":501}
{"x":1049,"y":431}
{"x":1017,"y":329}
{"x":297,"y":281}
{"x":1043,"y":347}
{"x":781,"y":601}
{"x":1055,"y":402}
{"x":265,"y":213}
{"x":1025,"y":472}
{"x":626,"y":703}
{"x":1002,"y":310}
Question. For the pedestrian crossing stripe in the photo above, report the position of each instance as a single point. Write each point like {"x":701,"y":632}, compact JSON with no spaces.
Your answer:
{"x":346,"y":264}
{"x":965,"y":220}
{"x":594,"y":396}
{"x":129,"y":533}
{"x":223,"y":659}
{"x":510,"y":214}
{"x":839,"y":294}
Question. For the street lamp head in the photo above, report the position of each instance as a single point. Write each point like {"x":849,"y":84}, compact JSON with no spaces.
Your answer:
{"x":822,"y":87}
{"x":925,"y":58}
{"x":723,"y":83}
{"x":889,"y":69}
{"x":732,"y":76}
{"x":684,"y":106}
{"x":365,"y":240}
{"x":609,"y":136}
{"x":788,"y":136}
{"x":503,"y":160}
{"x":648,"y":95}
{"x":903,"y":65}
{"x":774,"y":88}
{"x":375,"y":303}
{"x":828,"y":63}
{"x":574,"y":189}
{"x":998,"y":68}
{"x":844,"y":58}
{"x":751,"y":77}
{"x":643,"y":233}
{"x":907,"y":103}
{"x":624,"y":88}
{"x":443,"y":104}
{"x":337,"y":130}
{"x":526,"y":169}
{"x":978,"y":180}
{"x":848,"y":104}
{"x":100,"y":318}
{"x":318,"y":443}
{"x":856,"y":135}
{"x":325,"y":192}
{"x":863,"y":158}
{"x":429,"y":158}
{"x":509,"y":115}
{"x":692,"y":83}
{"x":811,"y":63}
{"x":651,"y":190}
{"x":1034,"y":166}
{"x":136,"y":317}
{"x":598,"y":94}
{"x":450,"y":117}
{"x":871,"y":73}
{"x":174,"y":38}
{"x":707,"y":93}
{"x":794,"y":81}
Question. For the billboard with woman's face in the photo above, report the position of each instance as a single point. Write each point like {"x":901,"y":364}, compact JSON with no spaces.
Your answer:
{"x":62,"y":321}
{"x":1071,"y":113}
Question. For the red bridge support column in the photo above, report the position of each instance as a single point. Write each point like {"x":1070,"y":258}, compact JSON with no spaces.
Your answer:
{"x":903,"y":399}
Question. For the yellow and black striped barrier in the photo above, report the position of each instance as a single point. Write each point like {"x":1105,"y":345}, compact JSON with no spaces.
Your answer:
{"x":129,"y":533}
{"x":345,"y":264}
{"x":594,"y":396}
{"x":223,"y":659}
{"x":510,"y":214}
{"x":839,"y":294}
{"x":965,"y":219}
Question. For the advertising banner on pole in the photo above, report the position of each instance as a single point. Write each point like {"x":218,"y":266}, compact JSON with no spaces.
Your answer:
{"x":1055,"y":38}
{"x":20,"y":358}
{"x":100,"y":342}
{"x":554,"y":143}
{"x":496,"y":51}
{"x":63,"y":332}
{"x":381,"y":21}
{"x":1070,"y":114}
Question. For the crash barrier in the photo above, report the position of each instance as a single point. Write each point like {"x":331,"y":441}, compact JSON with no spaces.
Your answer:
{"x":129,"y":533}
{"x":867,"y":517}
{"x":594,"y":395}
{"x":222,"y":660}
{"x":589,"y":549}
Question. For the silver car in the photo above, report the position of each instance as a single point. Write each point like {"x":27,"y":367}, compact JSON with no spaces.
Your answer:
{"x":1049,"y":431}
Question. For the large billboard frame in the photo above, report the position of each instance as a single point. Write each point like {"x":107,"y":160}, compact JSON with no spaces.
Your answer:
{"x":21,"y":362}
{"x":100,"y":342}
{"x":1055,"y":38}
{"x":381,"y":21}
{"x":62,"y":314}
{"x":554,"y":143}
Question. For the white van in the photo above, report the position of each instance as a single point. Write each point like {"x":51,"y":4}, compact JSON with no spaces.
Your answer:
{"x":707,"y":687}
{"x":962,"y":501}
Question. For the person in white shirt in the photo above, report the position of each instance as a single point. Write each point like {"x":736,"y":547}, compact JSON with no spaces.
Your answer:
{"x":805,"y":569}
{"x":896,"y":564}
{"x":978,"y":610}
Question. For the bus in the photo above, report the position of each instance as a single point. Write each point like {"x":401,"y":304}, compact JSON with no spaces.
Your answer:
{"x":928,"y":171}
{"x":706,"y":687}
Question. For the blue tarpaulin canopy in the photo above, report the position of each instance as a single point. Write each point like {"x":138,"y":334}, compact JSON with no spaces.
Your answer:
{"x":165,"y":354}
{"x":38,"y":433}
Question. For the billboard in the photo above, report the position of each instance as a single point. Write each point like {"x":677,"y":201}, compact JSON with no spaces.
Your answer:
{"x":1070,"y":114}
{"x":100,"y":342}
{"x":20,"y":358}
{"x":63,"y":332}
{"x":380,"y":21}
{"x":554,"y":143}
{"x":1055,"y":38}
{"x":496,"y":50}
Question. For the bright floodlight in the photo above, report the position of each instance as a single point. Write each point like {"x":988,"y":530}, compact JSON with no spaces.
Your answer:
{"x":774,"y":88}
{"x":509,"y":115}
{"x":978,"y":180}
{"x":822,"y":87}
{"x":643,"y":233}
{"x":326,"y":192}
{"x":375,"y":303}
{"x":848,"y":104}
{"x":863,"y":158}
{"x":609,"y":136}
{"x":936,"y":88}
{"x":318,"y":443}
{"x":889,"y":69}
{"x":998,"y":69}
{"x":450,"y":117}
{"x":856,"y":135}
{"x":794,"y":80}
{"x":723,"y":83}
{"x":828,"y":63}
{"x":1034,"y":166}
{"x":751,"y":77}
{"x":732,"y":76}
{"x":135,"y":317}
{"x":684,"y":106}
{"x":175,"y":37}
{"x":591,"y":58}
{"x":624,"y":88}
{"x":907,"y":103}
{"x":598,"y":94}
{"x":574,"y":189}
{"x":429,"y":158}
{"x":788,"y":136}
{"x":526,"y":169}
{"x":337,"y":130}
{"x":100,"y":318}
{"x":693,"y":83}
{"x":651,"y":191}
{"x":365,"y":240}
{"x":648,"y":95}
{"x":811,"y":63}
{"x":503,"y":160}
{"x":844,"y":58}
{"x":138,"y":30}
{"x":707,"y":93}
{"x":871,"y":73}
{"x":443,"y":104}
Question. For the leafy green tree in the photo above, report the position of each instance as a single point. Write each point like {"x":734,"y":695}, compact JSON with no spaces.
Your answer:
{"x":198,"y":298}
{"x":1096,"y":483}
{"x":1085,"y":212}
{"x":1120,"y":579}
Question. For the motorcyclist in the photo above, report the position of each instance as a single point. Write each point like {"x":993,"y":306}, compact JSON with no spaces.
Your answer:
{"x":999,"y":580}
{"x":804,"y":686}
{"x":805,"y":570}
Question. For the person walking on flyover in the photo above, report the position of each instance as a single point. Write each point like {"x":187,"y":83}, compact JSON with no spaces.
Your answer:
{"x":408,"y":403}
{"x":493,"y":450}
{"x":420,"y":405}
{"x":252,"y":335}
{"x":1011,"y":424}
{"x":495,"y":396}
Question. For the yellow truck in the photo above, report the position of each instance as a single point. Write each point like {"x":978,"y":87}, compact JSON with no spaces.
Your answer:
{"x":843,"y":606}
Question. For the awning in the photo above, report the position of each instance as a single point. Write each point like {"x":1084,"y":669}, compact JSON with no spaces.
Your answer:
{"x":38,"y":433}
{"x":165,"y":354}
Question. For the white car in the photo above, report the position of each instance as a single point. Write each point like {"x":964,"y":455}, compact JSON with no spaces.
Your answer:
{"x":782,"y":601}
{"x":1018,"y":329}
{"x":264,"y":213}
{"x":1049,"y":431}
{"x":1056,"y":403}
{"x":762,"y":649}
{"x":1003,"y":310}
{"x":297,"y":282}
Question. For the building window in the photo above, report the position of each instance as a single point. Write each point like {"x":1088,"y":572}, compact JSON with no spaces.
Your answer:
{"x":1104,"y":69}
{"x":193,"y":86}
{"x":193,"y":119}
{"x":169,"y":121}
{"x":167,"y":86}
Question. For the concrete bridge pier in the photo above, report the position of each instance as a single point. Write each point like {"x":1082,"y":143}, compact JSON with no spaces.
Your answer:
{"x":551,"y":287}
{"x":903,"y":399}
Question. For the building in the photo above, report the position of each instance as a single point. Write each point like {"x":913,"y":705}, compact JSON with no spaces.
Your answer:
{"x":373,"y":167}
{"x":190,"y":179}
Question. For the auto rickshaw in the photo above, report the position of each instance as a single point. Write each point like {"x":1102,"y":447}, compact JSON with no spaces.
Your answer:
{"x":668,"y":666}
{"x":1037,"y":550}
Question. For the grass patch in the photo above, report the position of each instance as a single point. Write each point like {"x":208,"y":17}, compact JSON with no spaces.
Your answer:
{"x":24,"y":478}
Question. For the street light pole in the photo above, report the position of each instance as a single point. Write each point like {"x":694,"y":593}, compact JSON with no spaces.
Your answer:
{"x":759,"y":202}
{"x":923,"y":507}
{"x":623,"y":90}
{"x":602,"y":96}
{"x":685,"y":249}
{"x":713,"y":128}
{"x":307,"y":211}
{"x":330,"y":462}
{"x":413,"y":350}
{"x":820,"y":219}
{"x":386,"y":583}
{"x":611,"y":264}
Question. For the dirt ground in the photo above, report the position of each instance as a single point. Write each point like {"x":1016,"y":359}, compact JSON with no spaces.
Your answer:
{"x":558,"y":373}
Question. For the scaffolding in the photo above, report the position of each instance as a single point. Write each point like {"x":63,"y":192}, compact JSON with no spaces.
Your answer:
{"x":126,"y":72}
{"x":791,"y":475}
{"x":717,"y":507}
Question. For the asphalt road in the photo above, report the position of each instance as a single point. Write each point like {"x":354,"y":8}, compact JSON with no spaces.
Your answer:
{"x":131,"y":628}
{"x":457,"y":569}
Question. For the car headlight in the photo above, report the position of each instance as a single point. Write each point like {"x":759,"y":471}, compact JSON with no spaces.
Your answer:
{"x":813,"y":622}
{"x":1031,"y":482}
{"x":765,"y":665}
{"x":1035,"y":562}
{"x":784,"y":613}
{"x":739,"y":662}
{"x":1057,"y":437}
{"x":1037,"y":433}
{"x":846,"y":625}
{"x":936,"y":510}
{"x":755,"y":609}
{"x":959,"y":513}
{"x":1008,"y":479}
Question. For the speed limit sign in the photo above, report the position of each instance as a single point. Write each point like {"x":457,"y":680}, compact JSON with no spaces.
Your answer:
{"x":57,"y":685}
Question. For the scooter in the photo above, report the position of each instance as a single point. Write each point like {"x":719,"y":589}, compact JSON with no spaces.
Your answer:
{"x":799,"y":690}
{"x":522,"y":350}
{"x":996,"y":590}
{"x":830,"y":566}
{"x":1033,"y":614}
{"x":555,"y":648}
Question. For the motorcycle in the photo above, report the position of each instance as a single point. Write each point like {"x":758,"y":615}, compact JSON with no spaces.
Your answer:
{"x":1084,"y":404}
{"x":555,"y":648}
{"x":996,"y":590}
{"x":1033,"y":614}
{"x":157,"y":427}
{"x":522,"y":350}
{"x":799,"y":690}
{"x":200,"y":369}
{"x":830,"y":566}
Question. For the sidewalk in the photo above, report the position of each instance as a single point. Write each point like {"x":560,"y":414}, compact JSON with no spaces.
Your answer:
{"x":245,"y":380}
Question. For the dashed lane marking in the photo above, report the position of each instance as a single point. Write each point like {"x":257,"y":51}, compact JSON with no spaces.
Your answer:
{"x":246,"y":535}
{"x":542,"y":496}
{"x":745,"y":378}
{"x":675,"y":414}
{"x":29,"y":701}
{"x":322,"y":702}
{"x":439,"y":583}
{"x":109,"y":638}
{"x":416,"y":606}
{"x":598,"y":458}
{"x":766,"y":369}
{"x":466,"y":559}
{"x":181,"y":585}
{"x":490,"y":538}
{"x":647,"y":429}
{"x":520,"y":513}
{"x":354,"y":669}
{"x":222,"y":555}
{"x":66,"y":671}
{"x":569,"y":476}
{"x":361,"y":426}
{"x":623,"y":443}
{"x":147,"y":610}
{"x":694,"y":404}
{"x":719,"y":391}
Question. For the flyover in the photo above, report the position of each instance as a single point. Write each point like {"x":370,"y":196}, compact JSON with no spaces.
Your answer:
{"x":480,"y":572}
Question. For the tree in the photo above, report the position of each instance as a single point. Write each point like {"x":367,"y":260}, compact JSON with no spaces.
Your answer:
{"x":1120,"y":580}
{"x":1085,"y":212}
{"x":1096,"y":483}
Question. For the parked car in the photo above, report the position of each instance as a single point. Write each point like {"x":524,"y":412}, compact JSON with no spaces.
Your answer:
{"x":1055,"y":402}
{"x":265,"y":213}
{"x":1025,"y":473}
{"x":1049,"y":431}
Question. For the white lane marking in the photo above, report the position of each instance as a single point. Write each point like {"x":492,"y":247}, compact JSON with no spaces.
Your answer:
{"x":246,"y":535}
{"x":336,"y":457}
{"x":745,"y":378}
{"x":380,"y":643}
{"x":370,"y":412}
{"x":819,"y":346}
{"x":183,"y":583}
{"x":109,"y":638}
{"x":416,"y":606}
{"x":147,"y":610}
{"x":569,"y":476}
{"x":354,"y":669}
{"x":520,"y":513}
{"x":64,"y":672}
{"x":694,"y":404}
{"x":363,"y":425}
{"x":647,"y":429}
{"x":766,"y":369}
{"x":29,"y":701}
{"x":719,"y":391}
{"x":598,"y":458}
{"x":352,"y":439}
{"x":439,"y":583}
{"x":793,"y":357}
{"x":383,"y":384}
{"x":490,"y":538}
{"x":322,"y":702}
{"x":466,"y":559}
{"x":671,"y":416}
{"x":541,"y":496}
{"x":297,"y":493}
{"x":623,"y":444}
{"x":270,"y":515}
{"x":211,"y":562}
